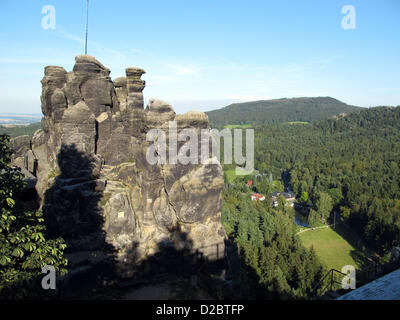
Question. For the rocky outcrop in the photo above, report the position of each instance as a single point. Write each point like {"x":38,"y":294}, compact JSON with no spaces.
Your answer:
{"x":98,"y":191}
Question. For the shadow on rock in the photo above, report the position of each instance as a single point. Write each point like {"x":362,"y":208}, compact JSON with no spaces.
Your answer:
{"x":176,"y":262}
{"x":72,"y":210}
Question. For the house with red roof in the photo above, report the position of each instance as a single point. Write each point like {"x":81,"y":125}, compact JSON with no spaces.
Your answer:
{"x":257,"y":196}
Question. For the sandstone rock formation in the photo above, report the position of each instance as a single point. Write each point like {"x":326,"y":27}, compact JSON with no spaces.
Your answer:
{"x":96,"y":186}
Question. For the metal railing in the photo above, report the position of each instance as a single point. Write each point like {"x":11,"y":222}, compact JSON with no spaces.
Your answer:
{"x":329,"y":282}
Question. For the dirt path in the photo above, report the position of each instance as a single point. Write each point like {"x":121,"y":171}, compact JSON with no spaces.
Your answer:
{"x":311,"y":229}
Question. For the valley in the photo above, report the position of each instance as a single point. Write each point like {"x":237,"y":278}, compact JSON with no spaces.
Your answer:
{"x":343,"y":170}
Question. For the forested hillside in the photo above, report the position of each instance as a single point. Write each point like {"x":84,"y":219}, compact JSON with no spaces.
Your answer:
{"x":274,"y":263}
{"x":348,"y":165}
{"x":19,"y":130}
{"x":351,"y":163}
{"x":279,"y":110}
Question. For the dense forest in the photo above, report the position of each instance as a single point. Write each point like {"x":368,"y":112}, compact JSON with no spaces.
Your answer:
{"x":350,"y":165}
{"x":279,"y":110}
{"x":274,"y":263}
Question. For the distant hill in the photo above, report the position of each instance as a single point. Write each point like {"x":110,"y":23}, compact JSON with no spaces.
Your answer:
{"x":19,"y":130}
{"x":279,"y":110}
{"x":18,"y":119}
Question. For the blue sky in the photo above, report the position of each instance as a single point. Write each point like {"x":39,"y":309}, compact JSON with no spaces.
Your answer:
{"x":206,"y":54}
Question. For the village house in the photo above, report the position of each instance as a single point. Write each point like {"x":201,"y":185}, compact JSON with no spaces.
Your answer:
{"x":257,"y":196}
{"x":289,"y":196}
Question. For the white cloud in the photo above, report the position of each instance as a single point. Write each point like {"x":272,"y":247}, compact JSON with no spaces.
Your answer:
{"x":162,"y":79}
{"x":182,"y":71}
{"x":73,"y":37}
{"x":135,"y":50}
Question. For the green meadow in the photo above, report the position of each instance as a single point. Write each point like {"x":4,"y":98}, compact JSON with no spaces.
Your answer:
{"x":238,"y":126}
{"x":298,"y":122}
{"x":335,"y":248}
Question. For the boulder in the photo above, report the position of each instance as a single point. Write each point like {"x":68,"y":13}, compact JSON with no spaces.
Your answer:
{"x":20,"y":145}
{"x":158,"y":112}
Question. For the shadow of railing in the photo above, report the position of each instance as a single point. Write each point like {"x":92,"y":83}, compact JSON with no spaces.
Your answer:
{"x":332,"y":281}
{"x":179,"y":258}
{"x":376,"y":270}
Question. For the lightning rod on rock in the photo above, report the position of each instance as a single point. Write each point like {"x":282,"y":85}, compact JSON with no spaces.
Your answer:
{"x":87,"y":25}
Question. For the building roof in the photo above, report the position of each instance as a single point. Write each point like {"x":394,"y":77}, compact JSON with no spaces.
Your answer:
{"x":384,"y":288}
{"x":287,"y":195}
{"x":257,"y":195}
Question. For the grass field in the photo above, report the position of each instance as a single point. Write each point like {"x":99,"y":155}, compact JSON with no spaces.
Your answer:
{"x":230,"y":174}
{"x":298,"y":122}
{"x":335,"y":249}
{"x":241,"y":126}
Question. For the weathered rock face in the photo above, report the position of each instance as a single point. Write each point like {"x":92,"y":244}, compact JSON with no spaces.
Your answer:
{"x":22,"y":155}
{"x":97,"y":188}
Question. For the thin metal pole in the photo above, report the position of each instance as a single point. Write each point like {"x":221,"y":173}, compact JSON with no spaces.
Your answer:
{"x":87,"y":25}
